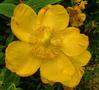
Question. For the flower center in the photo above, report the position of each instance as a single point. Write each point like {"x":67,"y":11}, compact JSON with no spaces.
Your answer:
{"x":43,"y":52}
{"x":44,"y":48}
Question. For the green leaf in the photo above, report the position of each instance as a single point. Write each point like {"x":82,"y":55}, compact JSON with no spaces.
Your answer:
{"x":72,"y":2}
{"x":10,"y":38}
{"x":1,"y":57}
{"x":13,"y":78}
{"x":11,"y":1}
{"x":1,"y":38}
{"x":9,"y":80}
{"x":1,"y":47}
{"x":11,"y":87}
{"x":97,"y":1}
{"x":37,"y":4}
{"x":96,"y":15}
{"x":7,"y":9}
{"x":97,"y":29}
{"x":2,"y":73}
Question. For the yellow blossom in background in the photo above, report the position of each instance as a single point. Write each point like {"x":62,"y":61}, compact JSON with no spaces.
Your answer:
{"x":81,"y":3}
{"x":47,"y":43}
{"x":77,"y":18}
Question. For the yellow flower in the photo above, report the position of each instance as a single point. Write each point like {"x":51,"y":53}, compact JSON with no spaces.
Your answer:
{"x":77,"y":18}
{"x":82,"y":4}
{"x":45,"y":43}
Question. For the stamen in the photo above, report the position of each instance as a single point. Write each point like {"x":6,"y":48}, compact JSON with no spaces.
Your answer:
{"x":45,"y":52}
{"x":44,"y":48}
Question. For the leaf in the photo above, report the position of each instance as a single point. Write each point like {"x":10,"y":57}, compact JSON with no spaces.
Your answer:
{"x":1,"y":47}
{"x":13,"y":78}
{"x":97,"y":29}
{"x":1,"y":37}
{"x":10,"y":38}
{"x":37,"y":4}
{"x":9,"y":80}
{"x":11,"y":87}
{"x":1,"y":57}
{"x":7,"y":9}
{"x":2,"y":72}
{"x":97,"y":1}
{"x":73,"y":2}
{"x":11,"y":1}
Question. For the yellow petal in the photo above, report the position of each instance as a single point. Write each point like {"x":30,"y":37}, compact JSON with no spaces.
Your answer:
{"x":58,"y":69}
{"x":82,"y":59}
{"x":19,"y":59}
{"x":74,"y":81}
{"x":74,"y":43}
{"x":77,"y":18}
{"x":82,"y":17}
{"x":83,"y":4}
{"x":46,"y":81}
{"x":54,"y":16}
{"x":22,"y":22}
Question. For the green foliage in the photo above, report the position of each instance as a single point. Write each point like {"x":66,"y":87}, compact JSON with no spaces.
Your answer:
{"x":1,"y":57}
{"x":8,"y":80}
{"x":11,"y":1}
{"x":9,"y":39}
{"x":37,"y":4}
{"x":97,"y":1}
{"x":7,"y":9}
